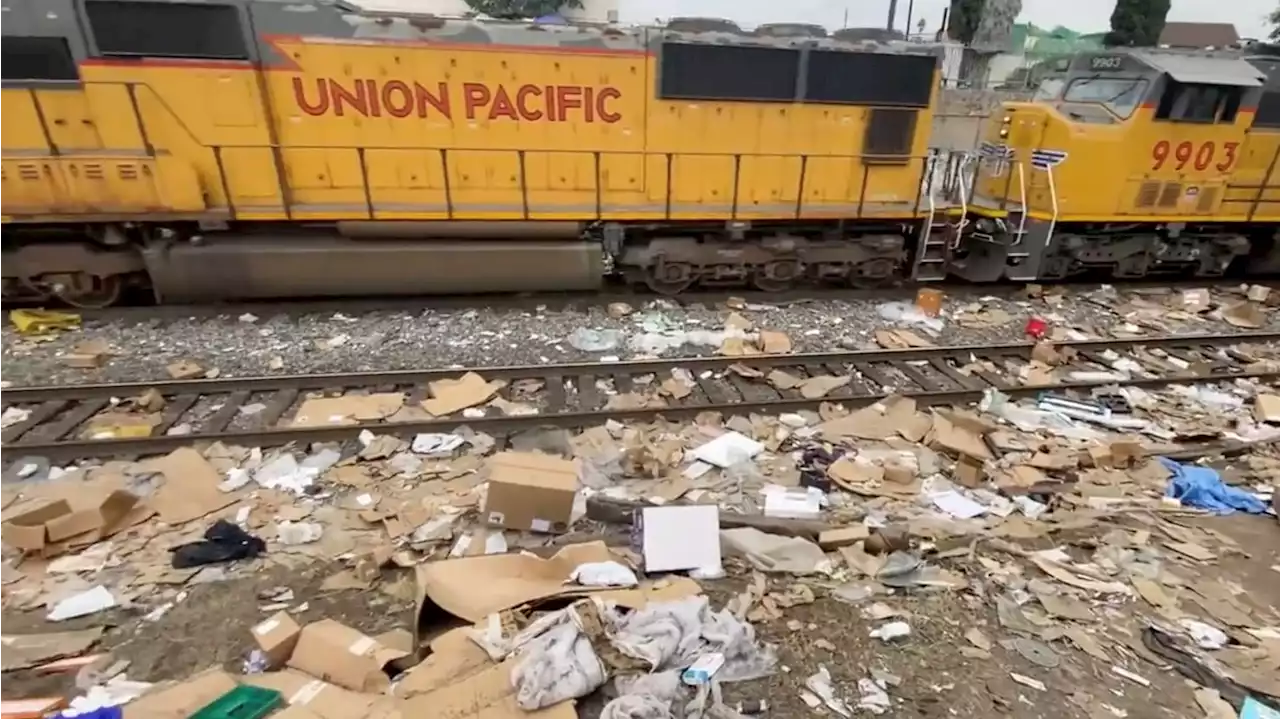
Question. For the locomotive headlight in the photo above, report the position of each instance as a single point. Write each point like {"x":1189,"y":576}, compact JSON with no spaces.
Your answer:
{"x":1004,"y":132}
{"x":1007,"y":119}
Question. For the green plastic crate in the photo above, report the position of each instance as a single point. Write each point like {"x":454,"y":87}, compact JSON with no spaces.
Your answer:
{"x":244,"y":702}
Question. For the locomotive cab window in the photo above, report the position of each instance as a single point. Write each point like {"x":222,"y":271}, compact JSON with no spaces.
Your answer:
{"x":144,"y":28}
{"x":1119,"y":95}
{"x":1190,"y":102}
{"x":37,"y":59}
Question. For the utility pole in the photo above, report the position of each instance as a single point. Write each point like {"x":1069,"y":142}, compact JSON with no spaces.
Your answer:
{"x":911,"y":10}
{"x":893,"y":10}
{"x":845,"y":23}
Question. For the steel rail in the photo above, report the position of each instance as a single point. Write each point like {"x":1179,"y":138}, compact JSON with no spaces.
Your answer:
{"x":270,"y":383}
{"x":968,"y":389}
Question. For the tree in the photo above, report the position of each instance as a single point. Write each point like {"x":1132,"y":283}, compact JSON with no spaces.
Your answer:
{"x":1137,"y":23}
{"x":964,"y":19}
{"x":512,"y":9}
{"x":1274,"y":19}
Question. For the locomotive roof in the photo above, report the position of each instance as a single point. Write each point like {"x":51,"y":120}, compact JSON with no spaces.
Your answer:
{"x":1205,"y":68}
{"x":376,"y":24}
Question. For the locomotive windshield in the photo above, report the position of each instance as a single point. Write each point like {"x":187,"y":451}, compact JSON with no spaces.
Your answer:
{"x":1119,"y":95}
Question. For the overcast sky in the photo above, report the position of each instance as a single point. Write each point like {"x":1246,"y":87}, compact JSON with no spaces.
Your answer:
{"x":1080,"y":15}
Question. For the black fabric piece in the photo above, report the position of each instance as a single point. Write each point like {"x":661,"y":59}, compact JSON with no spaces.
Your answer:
{"x":813,"y":468}
{"x":1166,"y":647}
{"x":223,"y":542}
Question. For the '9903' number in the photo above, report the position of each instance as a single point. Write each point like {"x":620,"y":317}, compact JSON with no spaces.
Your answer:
{"x":1186,"y":153}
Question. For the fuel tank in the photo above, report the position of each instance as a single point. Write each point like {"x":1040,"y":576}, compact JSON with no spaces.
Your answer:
{"x":262,"y":266}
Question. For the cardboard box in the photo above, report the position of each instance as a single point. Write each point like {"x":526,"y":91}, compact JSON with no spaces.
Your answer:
{"x":529,"y":490}
{"x":1125,"y":452}
{"x":324,"y":700}
{"x":90,"y":516}
{"x":1266,"y":408}
{"x":337,"y":653}
{"x":277,"y":637}
{"x":27,"y":527}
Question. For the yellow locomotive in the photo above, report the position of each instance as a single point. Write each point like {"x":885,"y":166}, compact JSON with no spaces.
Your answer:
{"x":1138,"y":163}
{"x":256,"y":149}
{"x":253,"y":148}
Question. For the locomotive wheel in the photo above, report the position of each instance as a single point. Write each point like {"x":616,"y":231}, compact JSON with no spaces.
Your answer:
{"x":776,"y":276}
{"x":872,"y":274}
{"x":669,"y":278}
{"x":81,"y":290}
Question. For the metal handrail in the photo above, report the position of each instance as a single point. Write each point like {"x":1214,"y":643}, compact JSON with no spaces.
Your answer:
{"x":964,"y":203}
{"x":1053,"y":196}
{"x":1022,"y":188}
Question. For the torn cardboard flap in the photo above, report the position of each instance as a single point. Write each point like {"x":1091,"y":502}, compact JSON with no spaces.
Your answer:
{"x":190,"y":490}
{"x":472,"y":588}
{"x":337,"y":653}
{"x":325,"y":700}
{"x":352,"y":409}
{"x":958,"y":437}
{"x":484,"y":694}
{"x":183,"y":699}
{"x":530,"y":490}
{"x":453,"y":395}
{"x":27,"y":650}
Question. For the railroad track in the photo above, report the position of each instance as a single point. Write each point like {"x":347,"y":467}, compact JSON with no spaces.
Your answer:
{"x":601,"y":298}
{"x":578,"y":395}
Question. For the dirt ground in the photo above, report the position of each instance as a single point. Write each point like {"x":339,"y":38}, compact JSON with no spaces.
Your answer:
{"x":939,"y":674}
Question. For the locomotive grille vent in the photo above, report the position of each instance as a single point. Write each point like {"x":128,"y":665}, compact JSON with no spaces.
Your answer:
{"x":1147,"y":194}
{"x":1170,"y":194}
{"x":127,"y":172}
{"x":28,"y":172}
{"x":1207,"y":196}
{"x":93,"y":172}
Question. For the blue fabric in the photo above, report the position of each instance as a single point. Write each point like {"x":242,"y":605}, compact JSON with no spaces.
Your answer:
{"x":1203,"y":488}
{"x":104,"y":713}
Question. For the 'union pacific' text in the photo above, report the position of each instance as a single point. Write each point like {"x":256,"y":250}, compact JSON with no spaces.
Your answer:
{"x":477,"y":101}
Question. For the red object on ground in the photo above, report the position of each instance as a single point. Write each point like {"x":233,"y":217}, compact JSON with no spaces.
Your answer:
{"x":1036,"y":327}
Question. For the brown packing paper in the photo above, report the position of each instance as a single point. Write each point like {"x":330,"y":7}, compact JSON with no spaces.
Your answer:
{"x":190,"y":490}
